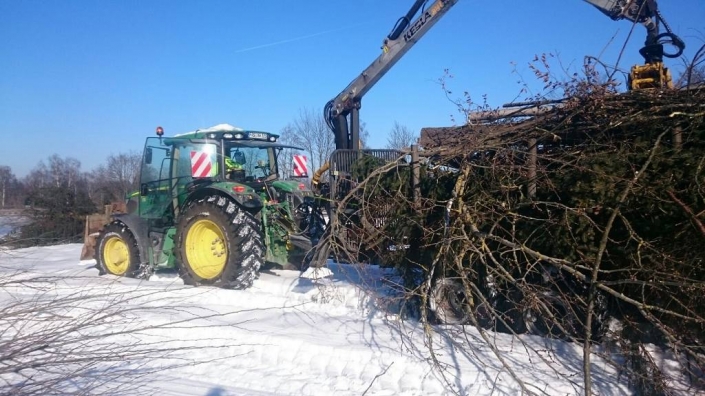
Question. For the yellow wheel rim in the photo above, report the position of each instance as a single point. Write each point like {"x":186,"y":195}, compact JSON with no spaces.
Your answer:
{"x":206,"y":250}
{"x":116,"y":256}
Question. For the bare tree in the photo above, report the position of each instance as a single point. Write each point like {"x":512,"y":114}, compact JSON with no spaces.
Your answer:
{"x":400,"y":137}
{"x":64,"y":172}
{"x":7,"y":179}
{"x":59,"y":173}
{"x":364,"y":136}
{"x":58,"y":192}
{"x":116,"y":178}
{"x":124,"y":171}
{"x":98,"y":188}
{"x":310,"y":132}
{"x":694,"y":73}
{"x":286,"y":156}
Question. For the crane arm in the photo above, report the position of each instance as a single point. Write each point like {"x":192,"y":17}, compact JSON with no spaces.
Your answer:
{"x":645,"y":12}
{"x":405,"y":34}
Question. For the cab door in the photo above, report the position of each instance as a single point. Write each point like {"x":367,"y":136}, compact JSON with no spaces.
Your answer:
{"x":155,"y":180}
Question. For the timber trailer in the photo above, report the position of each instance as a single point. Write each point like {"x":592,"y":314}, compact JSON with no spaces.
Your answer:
{"x":213,"y":205}
{"x":342,"y":115}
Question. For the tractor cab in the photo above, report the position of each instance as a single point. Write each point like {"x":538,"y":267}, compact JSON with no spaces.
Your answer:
{"x":224,"y":156}
{"x":239,"y":155}
{"x":255,"y":162}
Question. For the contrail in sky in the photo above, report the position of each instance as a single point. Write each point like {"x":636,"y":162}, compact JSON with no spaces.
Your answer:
{"x":291,"y":40}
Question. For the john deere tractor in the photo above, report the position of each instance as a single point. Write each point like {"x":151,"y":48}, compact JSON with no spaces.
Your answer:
{"x":211,"y":205}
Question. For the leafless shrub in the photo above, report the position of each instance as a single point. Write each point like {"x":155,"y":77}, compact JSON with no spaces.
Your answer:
{"x":73,"y":335}
{"x":400,"y":137}
{"x":116,"y":178}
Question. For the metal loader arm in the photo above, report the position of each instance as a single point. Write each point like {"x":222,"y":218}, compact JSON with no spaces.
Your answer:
{"x":407,"y":33}
{"x":396,"y":44}
{"x":645,"y":12}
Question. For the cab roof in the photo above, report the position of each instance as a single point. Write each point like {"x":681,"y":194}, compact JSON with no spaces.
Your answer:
{"x":219,"y":129}
{"x":236,"y":136}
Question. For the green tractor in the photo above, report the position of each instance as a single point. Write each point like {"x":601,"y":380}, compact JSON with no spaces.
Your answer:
{"x":211,"y":205}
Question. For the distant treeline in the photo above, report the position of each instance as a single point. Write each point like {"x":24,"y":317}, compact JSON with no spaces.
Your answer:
{"x":58,"y":195}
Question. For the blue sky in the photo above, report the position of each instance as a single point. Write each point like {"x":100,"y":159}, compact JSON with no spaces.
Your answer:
{"x":88,"y":79}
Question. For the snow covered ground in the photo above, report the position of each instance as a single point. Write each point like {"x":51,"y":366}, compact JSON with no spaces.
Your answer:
{"x":284,"y":336}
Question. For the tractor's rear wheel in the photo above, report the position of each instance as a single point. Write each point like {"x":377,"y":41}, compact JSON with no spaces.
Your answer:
{"x":117,"y":252}
{"x":219,"y":243}
{"x":449,"y":303}
{"x":559,"y":322}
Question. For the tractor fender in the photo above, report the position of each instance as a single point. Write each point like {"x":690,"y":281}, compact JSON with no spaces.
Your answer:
{"x":289,"y":186}
{"x":249,"y":200}
{"x":139,"y":227}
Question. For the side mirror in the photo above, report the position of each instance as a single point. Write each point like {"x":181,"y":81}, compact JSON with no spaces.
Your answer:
{"x":148,"y":155}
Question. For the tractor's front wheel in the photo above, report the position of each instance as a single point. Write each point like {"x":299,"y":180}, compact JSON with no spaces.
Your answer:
{"x":117,"y":252}
{"x":449,"y":303}
{"x":219,"y":243}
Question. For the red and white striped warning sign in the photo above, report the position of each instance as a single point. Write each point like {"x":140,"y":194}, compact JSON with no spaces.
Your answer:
{"x":201,"y":165}
{"x":300,"y":169}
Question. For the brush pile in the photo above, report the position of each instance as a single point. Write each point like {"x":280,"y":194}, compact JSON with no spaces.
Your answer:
{"x":584,"y":221}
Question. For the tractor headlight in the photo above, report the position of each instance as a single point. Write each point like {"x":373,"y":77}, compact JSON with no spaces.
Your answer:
{"x":272,"y":139}
{"x":239,"y":136}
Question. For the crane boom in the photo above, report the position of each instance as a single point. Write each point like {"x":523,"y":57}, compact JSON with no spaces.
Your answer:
{"x":399,"y":41}
{"x":645,"y":12}
{"x":407,"y":33}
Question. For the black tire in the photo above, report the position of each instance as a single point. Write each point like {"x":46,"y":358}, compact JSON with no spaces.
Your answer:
{"x":535,"y":321}
{"x":117,"y":252}
{"x":448,"y":302}
{"x":241,"y":244}
{"x":486,"y":315}
{"x":450,"y":305}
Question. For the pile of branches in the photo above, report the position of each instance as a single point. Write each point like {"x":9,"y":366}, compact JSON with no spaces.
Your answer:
{"x":585,"y":222}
